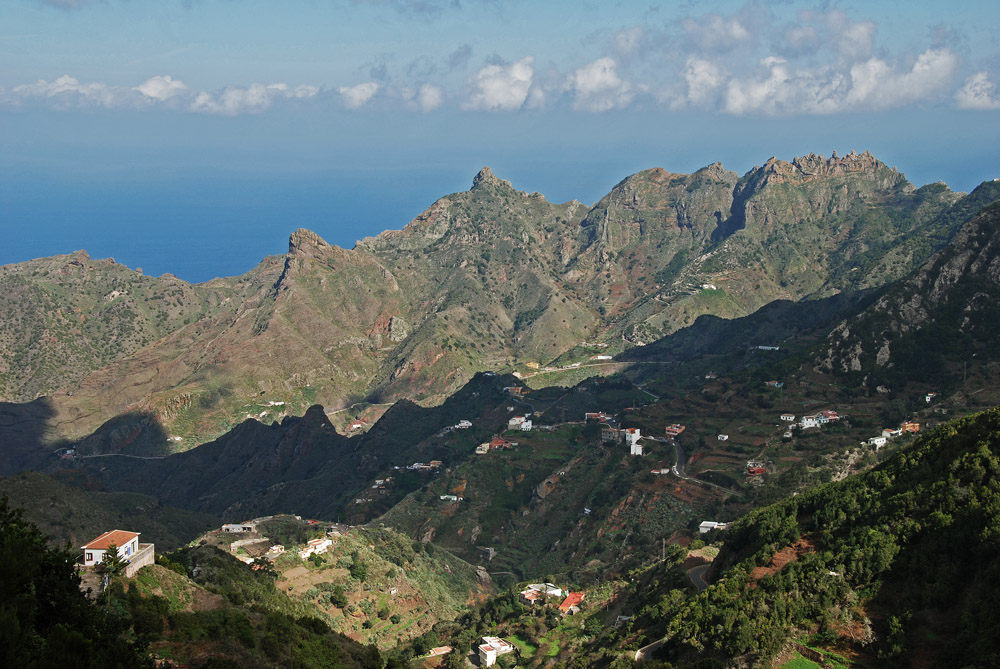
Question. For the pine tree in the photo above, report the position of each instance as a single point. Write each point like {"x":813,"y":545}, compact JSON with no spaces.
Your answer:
{"x":112,"y":565}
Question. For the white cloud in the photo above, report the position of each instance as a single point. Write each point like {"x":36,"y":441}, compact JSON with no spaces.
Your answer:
{"x":800,"y":38}
{"x":782,"y":89}
{"x":68,"y":92}
{"x":758,"y":94}
{"x":597,"y":87}
{"x":430,"y":97}
{"x":501,"y":87}
{"x":703,"y":79}
{"x":357,"y":96}
{"x":627,"y":41}
{"x":253,"y":99}
{"x":716,"y":34}
{"x":815,"y":32}
{"x":978,"y":93}
{"x":876,"y":85}
{"x":854,"y":39}
{"x":161,"y":87}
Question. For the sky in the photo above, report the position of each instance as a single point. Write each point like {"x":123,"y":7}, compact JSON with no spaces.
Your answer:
{"x":193,"y":136}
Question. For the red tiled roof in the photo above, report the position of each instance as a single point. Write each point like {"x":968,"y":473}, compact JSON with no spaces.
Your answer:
{"x":573,"y":599}
{"x":117,"y":537}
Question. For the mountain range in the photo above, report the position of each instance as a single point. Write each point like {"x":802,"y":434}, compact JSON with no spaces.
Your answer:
{"x":491,"y":278}
{"x":388,"y":386}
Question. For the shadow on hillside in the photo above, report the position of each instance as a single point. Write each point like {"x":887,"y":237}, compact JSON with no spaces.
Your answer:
{"x":23,"y":427}
{"x":771,"y":325}
{"x":137,"y":433}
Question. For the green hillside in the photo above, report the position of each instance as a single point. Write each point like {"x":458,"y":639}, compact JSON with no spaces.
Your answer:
{"x":67,"y":513}
{"x":492,"y":278}
{"x":898,"y":564}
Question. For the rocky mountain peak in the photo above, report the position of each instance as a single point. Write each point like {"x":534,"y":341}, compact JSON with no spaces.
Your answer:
{"x":717,"y":172}
{"x":487,"y":178}
{"x":306,"y":242}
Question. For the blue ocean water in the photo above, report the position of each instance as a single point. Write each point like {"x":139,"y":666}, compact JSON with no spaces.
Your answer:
{"x":204,"y":227}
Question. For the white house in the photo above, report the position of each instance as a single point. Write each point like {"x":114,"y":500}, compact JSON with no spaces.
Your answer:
{"x":709,"y":525}
{"x":239,"y":527}
{"x":127,"y":543}
{"x":315,"y":547}
{"x":788,"y":417}
{"x":890,"y":432}
{"x":877,"y":442}
{"x":526,"y":426}
{"x":635,"y":449}
{"x":632,"y":435}
{"x":810,"y":421}
{"x":547,"y":589}
{"x":464,"y":424}
{"x":723,"y":437}
{"x":490,"y":648}
{"x":515,"y":421}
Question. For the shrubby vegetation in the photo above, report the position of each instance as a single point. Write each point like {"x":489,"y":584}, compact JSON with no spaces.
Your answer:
{"x":45,"y":620}
{"x":885,"y":560}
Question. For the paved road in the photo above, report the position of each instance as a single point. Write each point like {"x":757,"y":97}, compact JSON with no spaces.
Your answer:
{"x":646,"y":652}
{"x":697,"y":576}
{"x":681,"y":460}
{"x":123,"y":455}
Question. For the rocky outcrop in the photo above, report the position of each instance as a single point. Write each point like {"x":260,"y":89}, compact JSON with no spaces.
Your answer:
{"x":945,"y":310}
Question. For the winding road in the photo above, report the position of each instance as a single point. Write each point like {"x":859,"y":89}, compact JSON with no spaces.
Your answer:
{"x":697,"y":576}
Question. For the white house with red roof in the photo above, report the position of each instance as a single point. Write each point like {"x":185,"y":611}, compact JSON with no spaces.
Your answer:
{"x":129,"y":549}
{"x":127,"y":543}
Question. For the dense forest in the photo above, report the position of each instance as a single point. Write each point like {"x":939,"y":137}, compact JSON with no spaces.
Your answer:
{"x":896,"y":563}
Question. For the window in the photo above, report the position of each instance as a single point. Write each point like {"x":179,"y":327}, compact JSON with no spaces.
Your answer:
{"x":90,"y":557}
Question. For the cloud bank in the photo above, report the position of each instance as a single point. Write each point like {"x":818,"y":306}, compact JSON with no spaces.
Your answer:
{"x":748,"y":62}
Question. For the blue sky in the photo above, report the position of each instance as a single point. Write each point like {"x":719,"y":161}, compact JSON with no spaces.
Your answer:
{"x":194,"y":136}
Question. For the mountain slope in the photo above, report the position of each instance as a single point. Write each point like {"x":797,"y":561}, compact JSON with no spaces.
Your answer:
{"x":67,"y":513}
{"x":491,"y":278}
{"x":301,"y":465}
{"x":899,"y":563}
{"x":937,"y":324}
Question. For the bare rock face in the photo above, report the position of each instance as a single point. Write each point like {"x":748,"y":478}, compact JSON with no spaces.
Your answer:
{"x":483,"y":577}
{"x":486,"y":178}
{"x":931,"y":299}
{"x":304,"y":242}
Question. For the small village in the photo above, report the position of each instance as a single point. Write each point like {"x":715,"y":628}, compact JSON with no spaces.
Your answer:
{"x":671,"y":442}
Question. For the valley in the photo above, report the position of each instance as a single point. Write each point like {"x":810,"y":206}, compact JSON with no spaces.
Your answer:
{"x":730,"y":412}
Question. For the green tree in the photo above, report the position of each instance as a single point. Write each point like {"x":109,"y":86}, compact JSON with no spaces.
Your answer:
{"x":112,"y":565}
{"x":45,"y":620}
